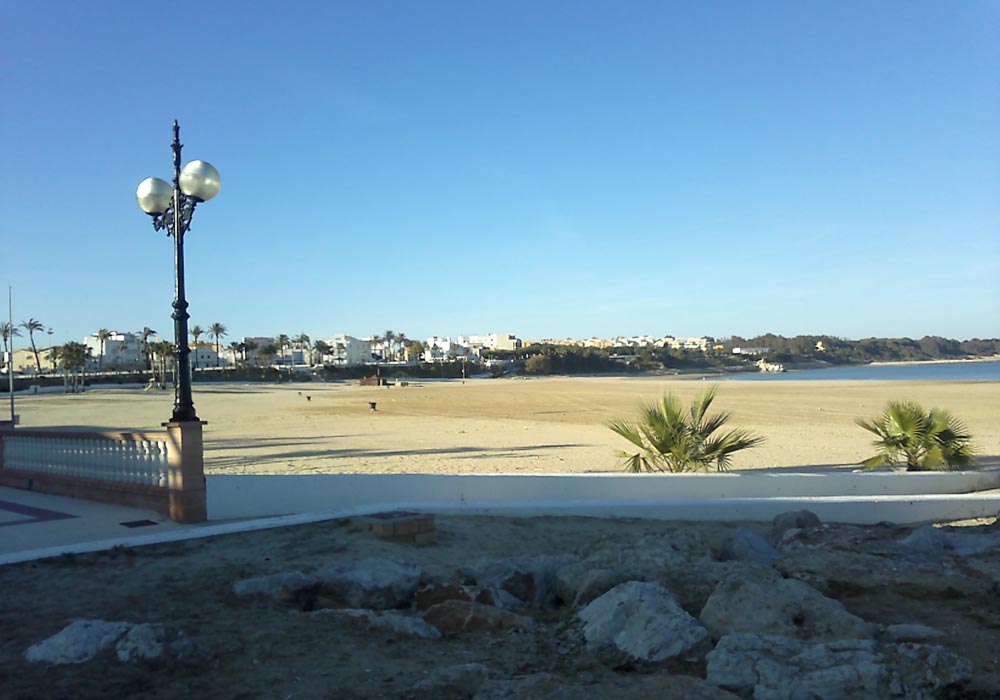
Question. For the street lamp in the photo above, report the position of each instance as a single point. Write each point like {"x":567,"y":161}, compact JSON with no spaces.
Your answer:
{"x":172,"y":207}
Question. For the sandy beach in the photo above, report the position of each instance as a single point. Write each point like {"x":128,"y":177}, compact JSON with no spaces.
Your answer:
{"x":549,"y":425}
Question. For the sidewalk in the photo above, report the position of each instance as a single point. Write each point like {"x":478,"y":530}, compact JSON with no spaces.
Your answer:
{"x":32,"y":521}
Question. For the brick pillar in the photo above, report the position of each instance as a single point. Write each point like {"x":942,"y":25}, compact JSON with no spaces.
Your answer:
{"x":186,"y":472}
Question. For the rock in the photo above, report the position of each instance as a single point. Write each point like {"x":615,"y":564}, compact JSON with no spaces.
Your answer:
{"x":432,"y":594}
{"x":792,"y":520}
{"x":650,"y":686}
{"x":388,"y":621}
{"x":155,"y":642}
{"x":934,"y":543}
{"x":78,"y":642}
{"x":376,"y":584}
{"x":643,"y":621}
{"x":531,"y":579}
{"x":682,"y":562}
{"x":909,"y":633}
{"x":838,"y":559}
{"x":286,"y":587}
{"x":927,"y":542}
{"x":458,"y":616}
{"x":746,"y":545}
{"x":450,"y":683}
{"x":537,"y":686}
{"x":578,"y":584}
{"x":782,"y":668}
{"x":758,"y":600}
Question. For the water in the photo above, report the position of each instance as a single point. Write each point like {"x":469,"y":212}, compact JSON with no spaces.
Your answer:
{"x":924,"y":371}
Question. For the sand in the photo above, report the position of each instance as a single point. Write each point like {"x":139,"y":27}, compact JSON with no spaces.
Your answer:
{"x":489,"y":426}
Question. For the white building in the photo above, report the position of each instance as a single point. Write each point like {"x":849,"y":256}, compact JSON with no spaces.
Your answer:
{"x":686,"y":343}
{"x":501,"y":341}
{"x":253,"y":346}
{"x":203,"y":356}
{"x":348,"y":351}
{"x":120,"y":351}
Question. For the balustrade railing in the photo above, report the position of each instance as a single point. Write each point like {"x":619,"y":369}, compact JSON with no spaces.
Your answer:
{"x":126,"y":458}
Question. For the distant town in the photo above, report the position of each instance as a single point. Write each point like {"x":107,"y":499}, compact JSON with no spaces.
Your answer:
{"x":210,"y":349}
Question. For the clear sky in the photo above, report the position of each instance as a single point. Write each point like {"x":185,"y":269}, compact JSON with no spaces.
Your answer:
{"x":551,"y":169}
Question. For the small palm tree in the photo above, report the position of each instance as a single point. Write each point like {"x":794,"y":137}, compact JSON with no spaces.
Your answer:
{"x":196,"y":333}
{"x":268,"y":352}
{"x":390,"y":339}
{"x":32,"y":325}
{"x":304,"y":343}
{"x":146,"y":334}
{"x":925,"y":440}
{"x":217,"y":330}
{"x":250,"y":351}
{"x":55,"y":355}
{"x":236,"y":350}
{"x":9,"y":332}
{"x":671,"y":439}
{"x":321,"y":349}
{"x":102,"y":338}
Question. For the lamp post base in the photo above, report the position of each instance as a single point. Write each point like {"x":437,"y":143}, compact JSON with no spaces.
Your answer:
{"x":186,"y":472}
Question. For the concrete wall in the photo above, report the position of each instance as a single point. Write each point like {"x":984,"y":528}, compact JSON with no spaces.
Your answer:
{"x":838,"y":496}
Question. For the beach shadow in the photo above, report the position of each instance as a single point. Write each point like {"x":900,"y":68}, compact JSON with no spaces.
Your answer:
{"x":212,"y":445}
{"x":478,"y":452}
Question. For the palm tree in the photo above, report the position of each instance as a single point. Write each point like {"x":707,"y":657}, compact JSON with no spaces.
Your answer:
{"x":415,"y":349}
{"x":304,"y":342}
{"x":250,"y":351}
{"x":674,"y":440}
{"x":102,"y":336}
{"x":237,"y":349}
{"x":390,"y":338}
{"x":401,"y":341}
{"x":268,"y":352}
{"x":321,"y":349}
{"x":55,"y":354}
{"x":9,"y":332}
{"x":161,"y":350}
{"x":196,"y":333}
{"x":146,"y":334}
{"x":32,"y":325}
{"x":280,"y":343}
{"x":73,"y":357}
{"x":925,"y":440}
{"x":218,"y":331}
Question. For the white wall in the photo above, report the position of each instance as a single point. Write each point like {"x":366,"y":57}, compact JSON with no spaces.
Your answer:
{"x":846,"y":497}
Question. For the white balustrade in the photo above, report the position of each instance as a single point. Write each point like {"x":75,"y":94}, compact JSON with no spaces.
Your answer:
{"x":131,"y":459}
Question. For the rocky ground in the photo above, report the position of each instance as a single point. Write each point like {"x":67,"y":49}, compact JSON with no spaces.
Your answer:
{"x":517,"y":608}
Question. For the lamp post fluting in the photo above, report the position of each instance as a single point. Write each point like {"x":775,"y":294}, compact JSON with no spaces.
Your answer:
{"x":172,"y":208}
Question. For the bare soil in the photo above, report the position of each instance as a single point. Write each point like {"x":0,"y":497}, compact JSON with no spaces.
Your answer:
{"x":260,"y":649}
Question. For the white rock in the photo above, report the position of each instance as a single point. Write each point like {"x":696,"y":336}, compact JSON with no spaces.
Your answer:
{"x":377,"y":584}
{"x":783,"y":668}
{"x":78,"y":642}
{"x":754,"y":599}
{"x":154,"y":642}
{"x":642,"y":620}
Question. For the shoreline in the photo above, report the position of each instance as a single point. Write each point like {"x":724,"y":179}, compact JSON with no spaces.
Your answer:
{"x":904,"y":363}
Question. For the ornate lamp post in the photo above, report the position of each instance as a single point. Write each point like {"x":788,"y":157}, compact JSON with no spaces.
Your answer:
{"x":172,"y":207}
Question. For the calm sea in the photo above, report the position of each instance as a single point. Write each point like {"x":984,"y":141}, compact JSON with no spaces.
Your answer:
{"x":924,"y":371}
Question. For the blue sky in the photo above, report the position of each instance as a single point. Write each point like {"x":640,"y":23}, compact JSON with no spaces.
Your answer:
{"x":552,"y":169}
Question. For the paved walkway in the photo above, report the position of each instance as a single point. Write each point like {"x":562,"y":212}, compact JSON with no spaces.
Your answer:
{"x":37,"y":521}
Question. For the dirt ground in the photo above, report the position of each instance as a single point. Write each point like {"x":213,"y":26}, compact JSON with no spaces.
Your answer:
{"x":260,"y":649}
